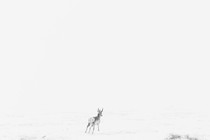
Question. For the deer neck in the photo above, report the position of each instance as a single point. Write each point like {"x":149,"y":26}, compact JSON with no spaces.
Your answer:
{"x":97,"y":117}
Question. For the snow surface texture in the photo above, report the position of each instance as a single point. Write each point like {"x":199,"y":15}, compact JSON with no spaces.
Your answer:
{"x":121,"y":125}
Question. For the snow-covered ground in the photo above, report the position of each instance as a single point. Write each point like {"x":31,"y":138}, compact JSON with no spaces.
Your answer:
{"x":114,"y":125}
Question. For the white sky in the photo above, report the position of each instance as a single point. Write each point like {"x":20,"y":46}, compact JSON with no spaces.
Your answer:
{"x":63,"y":55}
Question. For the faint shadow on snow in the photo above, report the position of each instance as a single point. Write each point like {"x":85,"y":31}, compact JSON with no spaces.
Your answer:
{"x":180,"y":137}
{"x":28,"y":138}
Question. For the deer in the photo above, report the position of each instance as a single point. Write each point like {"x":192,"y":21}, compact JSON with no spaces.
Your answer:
{"x":94,"y":121}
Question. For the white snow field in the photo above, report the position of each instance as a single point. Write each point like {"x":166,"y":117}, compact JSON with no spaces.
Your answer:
{"x":114,"y":125}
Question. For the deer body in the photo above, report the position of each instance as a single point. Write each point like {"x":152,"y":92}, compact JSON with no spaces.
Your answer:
{"x":94,"y":121}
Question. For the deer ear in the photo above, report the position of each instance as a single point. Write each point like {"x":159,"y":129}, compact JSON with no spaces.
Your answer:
{"x":102,"y":110}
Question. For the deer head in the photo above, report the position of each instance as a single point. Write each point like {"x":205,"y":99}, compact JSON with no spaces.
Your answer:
{"x":100,"y":112}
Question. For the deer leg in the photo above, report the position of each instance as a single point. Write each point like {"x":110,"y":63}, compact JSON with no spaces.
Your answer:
{"x":98,"y":127}
{"x":87,"y":127}
{"x":90,"y":128}
{"x":93,"y":129}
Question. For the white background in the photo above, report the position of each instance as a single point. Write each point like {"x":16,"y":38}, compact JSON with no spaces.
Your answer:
{"x":63,"y":55}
